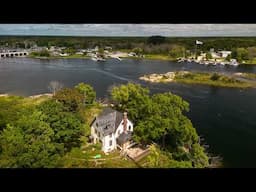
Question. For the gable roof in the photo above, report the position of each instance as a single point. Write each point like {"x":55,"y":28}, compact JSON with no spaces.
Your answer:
{"x":107,"y":121}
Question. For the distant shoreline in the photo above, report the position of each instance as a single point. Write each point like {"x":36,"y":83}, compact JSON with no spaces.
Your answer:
{"x":146,"y":57}
{"x":30,"y":96}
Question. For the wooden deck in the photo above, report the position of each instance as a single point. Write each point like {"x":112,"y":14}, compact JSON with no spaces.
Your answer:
{"x":137,"y":153}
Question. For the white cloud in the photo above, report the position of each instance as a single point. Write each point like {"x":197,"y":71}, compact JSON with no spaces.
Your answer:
{"x":130,"y":29}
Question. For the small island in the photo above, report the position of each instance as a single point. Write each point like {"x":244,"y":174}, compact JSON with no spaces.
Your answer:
{"x":70,"y":128}
{"x":235,"y":80}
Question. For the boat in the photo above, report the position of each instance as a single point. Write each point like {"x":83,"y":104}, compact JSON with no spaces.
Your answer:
{"x":94,"y":58}
{"x":119,"y":58}
{"x":98,"y":59}
{"x":234,"y":62}
{"x":116,"y":57}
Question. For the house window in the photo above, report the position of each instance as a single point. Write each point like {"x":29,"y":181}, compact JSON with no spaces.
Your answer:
{"x":110,"y":142}
{"x":110,"y":136}
{"x":95,"y":131}
{"x":130,"y":128}
{"x":96,"y":124}
{"x":98,"y":134}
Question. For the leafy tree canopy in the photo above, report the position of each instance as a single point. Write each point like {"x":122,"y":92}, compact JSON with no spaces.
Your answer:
{"x":70,"y":98}
{"x":87,"y":91}
{"x":28,"y":143}
{"x":156,"y":40}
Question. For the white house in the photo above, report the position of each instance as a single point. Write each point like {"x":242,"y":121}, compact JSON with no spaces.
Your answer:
{"x":111,"y":128}
{"x":220,"y":54}
{"x":224,"y":54}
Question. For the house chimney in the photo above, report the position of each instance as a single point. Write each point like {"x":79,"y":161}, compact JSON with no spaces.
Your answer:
{"x":125,"y":122}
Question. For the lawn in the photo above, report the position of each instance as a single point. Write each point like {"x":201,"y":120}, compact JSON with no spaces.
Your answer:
{"x":159,"y":57}
{"x":85,"y":157}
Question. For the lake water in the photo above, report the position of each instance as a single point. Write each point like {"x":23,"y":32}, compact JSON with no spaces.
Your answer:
{"x":225,"y":117}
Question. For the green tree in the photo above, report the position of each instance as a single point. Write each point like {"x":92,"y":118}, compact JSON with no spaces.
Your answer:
{"x":162,"y":159}
{"x":228,"y":58}
{"x":87,"y":91}
{"x":28,"y":144}
{"x":67,"y":126}
{"x":101,"y":52}
{"x":251,"y":52}
{"x":132,"y":98}
{"x":177,"y":51}
{"x":10,"y":110}
{"x":208,"y":56}
{"x":70,"y":50}
{"x":42,"y":53}
{"x":199,"y":158}
{"x":138,"y":50}
{"x":156,"y":40}
{"x":240,"y":54}
{"x":70,"y":98}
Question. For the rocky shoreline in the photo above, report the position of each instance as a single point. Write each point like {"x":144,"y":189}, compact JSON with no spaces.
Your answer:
{"x":236,"y":80}
{"x":165,"y":77}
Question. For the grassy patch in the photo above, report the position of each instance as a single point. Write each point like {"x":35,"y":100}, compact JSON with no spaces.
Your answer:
{"x":212,"y":79}
{"x":159,"y":57}
{"x":84,"y":157}
{"x":251,"y":61}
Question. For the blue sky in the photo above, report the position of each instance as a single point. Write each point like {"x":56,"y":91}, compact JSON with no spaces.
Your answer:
{"x":130,"y":29}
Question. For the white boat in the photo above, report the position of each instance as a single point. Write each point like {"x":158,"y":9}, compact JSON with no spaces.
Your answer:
{"x":119,"y":58}
{"x":101,"y":59}
{"x":98,"y":59}
{"x":234,"y":62}
{"x":116,"y":57}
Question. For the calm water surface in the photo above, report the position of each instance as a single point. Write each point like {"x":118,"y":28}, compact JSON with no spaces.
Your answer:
{"x":225,"y":117}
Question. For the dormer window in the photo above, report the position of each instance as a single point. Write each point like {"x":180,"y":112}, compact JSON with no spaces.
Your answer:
{"x":130,"y":128}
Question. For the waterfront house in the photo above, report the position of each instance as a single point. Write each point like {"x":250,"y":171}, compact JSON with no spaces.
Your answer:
{"x":112,"y":129}
{"x":220,"y":54}
{"x":224,"y":54}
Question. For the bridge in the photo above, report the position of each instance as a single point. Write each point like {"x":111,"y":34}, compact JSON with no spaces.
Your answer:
{"x":14,"y":54}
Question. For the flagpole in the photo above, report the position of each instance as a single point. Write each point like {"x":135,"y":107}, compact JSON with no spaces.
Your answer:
{"x":196,"y":51}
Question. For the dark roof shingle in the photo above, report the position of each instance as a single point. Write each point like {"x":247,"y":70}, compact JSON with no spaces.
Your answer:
{"x":108,"y":121}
